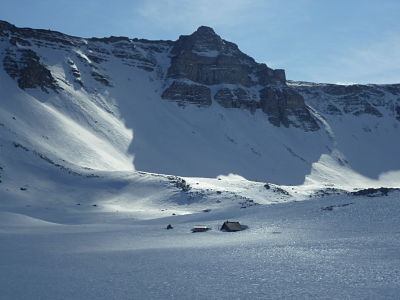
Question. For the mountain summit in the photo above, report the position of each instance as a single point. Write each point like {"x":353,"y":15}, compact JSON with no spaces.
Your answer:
{"x":206,"y":60}
{"x":204,"y":39}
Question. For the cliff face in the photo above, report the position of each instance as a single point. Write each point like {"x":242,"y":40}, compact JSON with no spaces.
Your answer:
{"x":354,"y":100}
{"x":205,"y":58}
{"x":213,"y":69}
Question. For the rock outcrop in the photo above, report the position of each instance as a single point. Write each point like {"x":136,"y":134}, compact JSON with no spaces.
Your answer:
{"x":205,"y":58}
{"x":354,"y":99}
{"x":280,"y":104}
{"x":240,"y":82}
{"x":24,"y":63}
{"x":191,"y":93}
{"x":25,"y":66}
{"x":236,"y":98}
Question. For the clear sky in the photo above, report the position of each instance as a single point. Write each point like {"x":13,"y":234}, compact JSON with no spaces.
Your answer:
{"x":313,"y":40}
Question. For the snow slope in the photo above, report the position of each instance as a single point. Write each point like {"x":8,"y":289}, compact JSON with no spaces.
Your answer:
{"x":106,"y":113}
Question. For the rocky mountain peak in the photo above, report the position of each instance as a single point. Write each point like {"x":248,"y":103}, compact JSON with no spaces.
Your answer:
{"x":203,"y":41}
{"x":204,"y":57}
{"x":203,"y":61}
{"x":204,"y":32}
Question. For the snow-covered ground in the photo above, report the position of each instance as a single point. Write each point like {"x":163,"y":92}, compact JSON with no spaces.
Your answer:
{"x":85,"y":234}
{"x":336,"y":247}
{"x":68,"y":232}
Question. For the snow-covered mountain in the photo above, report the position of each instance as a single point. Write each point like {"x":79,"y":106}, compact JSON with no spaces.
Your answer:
{"x":194,"y":107}
{"x":105,"y":141}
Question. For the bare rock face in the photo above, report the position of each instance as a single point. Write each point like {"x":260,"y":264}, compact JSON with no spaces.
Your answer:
{"x":101,"y":78}
{"x":355,"y":99}
{"x":204,"y":58}
{"x":281,"y":104}
{"x":236,"y":98}
{"x":25,"y":66}
{"x":192,"y":93}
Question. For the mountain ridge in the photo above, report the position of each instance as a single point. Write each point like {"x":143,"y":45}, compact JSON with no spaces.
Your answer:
{"x":194,"y":107}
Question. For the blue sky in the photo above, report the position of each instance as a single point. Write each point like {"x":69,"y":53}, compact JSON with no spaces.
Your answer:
{"x":313,"y":40}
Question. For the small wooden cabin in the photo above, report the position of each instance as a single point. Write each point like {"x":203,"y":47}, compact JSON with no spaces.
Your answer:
{"x":200,"y":228}
{"x":232,"y":226}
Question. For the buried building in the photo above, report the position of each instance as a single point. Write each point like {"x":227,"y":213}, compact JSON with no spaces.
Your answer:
{"x":232,"y":226}
{"x":200,"y":228}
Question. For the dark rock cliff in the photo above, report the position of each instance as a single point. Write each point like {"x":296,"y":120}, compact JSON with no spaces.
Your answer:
{"x":355,"y":99}
{"x":211,"y":63}
{"x":25,"y":66}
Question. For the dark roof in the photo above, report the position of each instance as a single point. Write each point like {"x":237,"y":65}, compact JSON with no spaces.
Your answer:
{"x":232,"y":226}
